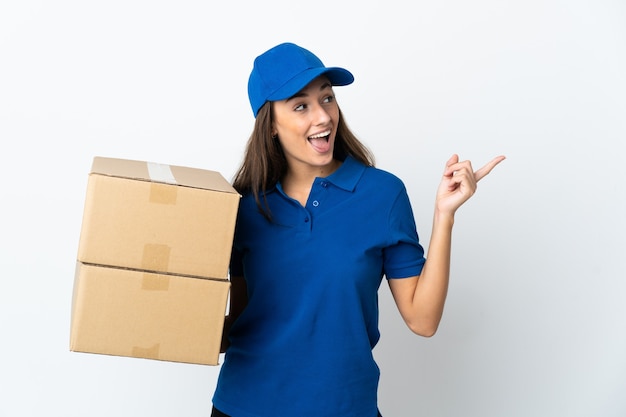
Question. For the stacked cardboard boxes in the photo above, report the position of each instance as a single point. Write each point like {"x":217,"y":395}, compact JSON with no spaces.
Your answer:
{"x":152,"y":270}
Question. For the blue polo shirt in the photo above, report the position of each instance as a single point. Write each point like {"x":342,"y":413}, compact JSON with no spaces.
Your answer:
{"x":303,"y":345}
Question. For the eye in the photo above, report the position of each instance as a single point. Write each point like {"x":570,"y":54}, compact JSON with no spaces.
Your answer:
{"x":300,"y":107}
{"x":329,"y":99}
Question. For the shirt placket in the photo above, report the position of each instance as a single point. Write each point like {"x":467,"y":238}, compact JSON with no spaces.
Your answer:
{"x":315,"y":203}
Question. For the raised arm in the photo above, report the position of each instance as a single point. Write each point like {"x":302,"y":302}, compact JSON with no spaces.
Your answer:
{"x":421,"y":299}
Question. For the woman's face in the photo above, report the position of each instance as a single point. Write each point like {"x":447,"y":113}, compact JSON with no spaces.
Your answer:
{"x":306,"y":125}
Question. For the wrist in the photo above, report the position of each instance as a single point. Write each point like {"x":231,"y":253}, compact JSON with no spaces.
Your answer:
{"x":444,"y":218}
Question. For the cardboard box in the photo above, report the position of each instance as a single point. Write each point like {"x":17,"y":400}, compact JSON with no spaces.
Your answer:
{"x":152,"y":269}
{"x":138,"y":314}
{"x":159,"y":218}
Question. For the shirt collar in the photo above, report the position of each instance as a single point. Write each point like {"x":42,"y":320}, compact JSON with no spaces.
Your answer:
{"x":348,"y":174}
{"x":345,"y":177}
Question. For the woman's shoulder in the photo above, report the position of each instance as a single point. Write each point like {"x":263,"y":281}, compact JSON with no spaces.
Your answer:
{"x":248,"y":199}
{"x":383,"y":178}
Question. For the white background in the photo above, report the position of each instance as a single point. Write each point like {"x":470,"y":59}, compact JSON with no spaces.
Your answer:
{"x":535,"y":320}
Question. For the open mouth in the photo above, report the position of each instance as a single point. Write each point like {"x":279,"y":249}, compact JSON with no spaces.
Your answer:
{"x":320,"y":141}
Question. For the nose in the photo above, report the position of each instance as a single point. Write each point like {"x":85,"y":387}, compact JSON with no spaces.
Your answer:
{"x":320,"y":115}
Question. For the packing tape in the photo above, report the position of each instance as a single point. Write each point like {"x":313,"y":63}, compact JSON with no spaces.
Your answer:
{"x":163,"y":193}
{"x":149,"y":353}
{"x":161,"y":173}
{"x":156,"y":257}
{"x":155,"y":282}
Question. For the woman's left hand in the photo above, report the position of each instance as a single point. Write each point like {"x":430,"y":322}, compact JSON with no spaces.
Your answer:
{"x":459,"y":183}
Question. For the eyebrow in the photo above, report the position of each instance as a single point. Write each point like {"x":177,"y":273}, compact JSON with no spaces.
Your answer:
{"x":301,"y":94}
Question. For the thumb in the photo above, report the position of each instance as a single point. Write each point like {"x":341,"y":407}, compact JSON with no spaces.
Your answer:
{"x":453,"y":160}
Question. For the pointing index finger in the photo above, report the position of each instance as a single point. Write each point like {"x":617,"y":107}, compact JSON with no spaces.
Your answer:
{"x":482,"y":172}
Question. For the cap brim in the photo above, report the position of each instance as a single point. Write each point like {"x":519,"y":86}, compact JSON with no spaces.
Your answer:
{"x":336,"y":76}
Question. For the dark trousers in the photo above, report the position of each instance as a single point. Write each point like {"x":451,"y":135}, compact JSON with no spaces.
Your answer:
{"x":218,"y":413}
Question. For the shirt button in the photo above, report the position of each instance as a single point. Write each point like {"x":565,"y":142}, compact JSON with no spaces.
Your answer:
{"x":316,"y":203}
{"x":306,"y":219}
{"x":324,"y":184}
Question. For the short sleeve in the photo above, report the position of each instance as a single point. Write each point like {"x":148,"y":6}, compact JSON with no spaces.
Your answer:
{"x":404,"y":255}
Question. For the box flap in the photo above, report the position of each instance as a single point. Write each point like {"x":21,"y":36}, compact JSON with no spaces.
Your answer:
{"x":161,"y":173}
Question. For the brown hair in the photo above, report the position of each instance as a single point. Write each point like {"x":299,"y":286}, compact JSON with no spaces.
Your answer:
{"x":264,"y":162}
